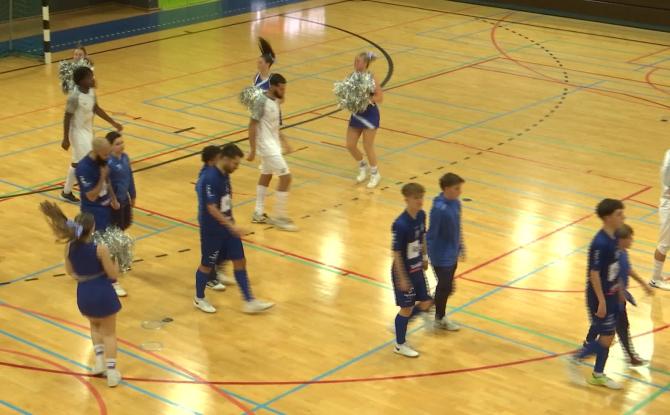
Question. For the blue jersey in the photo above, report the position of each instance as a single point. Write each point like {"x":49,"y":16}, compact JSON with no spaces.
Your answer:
{"x":213,"y":187}
{"x":444,"y":234}
{"x":121,"y":176}
{"x":260,"y":83}
{"x":408,"y":235}
{"x":604,"y":259}
{"x":88,"y":175}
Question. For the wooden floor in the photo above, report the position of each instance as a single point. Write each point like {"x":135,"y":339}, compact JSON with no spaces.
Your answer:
{"x":543,"y":116}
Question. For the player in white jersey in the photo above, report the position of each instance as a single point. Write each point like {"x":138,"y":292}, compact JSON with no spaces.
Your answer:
{"x":657,"y":280}
{"x":80,"y":109}
{"x":266,"y":139}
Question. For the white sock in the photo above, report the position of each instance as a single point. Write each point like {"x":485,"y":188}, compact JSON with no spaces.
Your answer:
{"x":261,"y":191}
{"x":111,"y":363}
{"x":280,"y":204}
{"x":99,"y":353}
{"x":374,"y":170}
{"x":658,"y":270}
{"x":69,"y":181}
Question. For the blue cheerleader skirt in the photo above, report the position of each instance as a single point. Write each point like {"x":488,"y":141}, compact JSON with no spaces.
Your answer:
{"x":366,"y":120}
{"x":97,"y":298}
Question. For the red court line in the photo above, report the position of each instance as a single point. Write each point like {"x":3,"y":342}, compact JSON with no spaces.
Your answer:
{"x":81,"y":377}
{"x":643,"y":203}
{"x":646,"y":55}
{"x":647,"y":78}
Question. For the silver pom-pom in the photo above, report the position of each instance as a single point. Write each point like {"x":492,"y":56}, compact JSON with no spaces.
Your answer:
{"x":254,"y":99}
{"x":66,"y":70}
{"x":120,"y":246}
{"x":353,"y":94}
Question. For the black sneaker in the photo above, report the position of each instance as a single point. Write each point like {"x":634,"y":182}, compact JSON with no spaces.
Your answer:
{"x":70,"y":197}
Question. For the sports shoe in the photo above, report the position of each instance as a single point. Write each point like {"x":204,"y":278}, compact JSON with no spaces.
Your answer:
{"x":362,"y":174}
{"x":216,"y":285}
{"x":69,"y":197}
{"x":260,"y":218}
{"x":446,"y":324}
{"x":603,"y":380}
{"x":663,"y":285}
{"x":636,"y":361}
{"x":113,"y":378}
{"x":99,"y":368}
{"x":119,"y":289}
{"x":224,"y":279}
{"x":405,"y":350}
{"x":575,"y":375}
{"x":203,"y":305}
{"x":256,"y":306}
{"x":284,"y":224}
{"x":375,"y":178}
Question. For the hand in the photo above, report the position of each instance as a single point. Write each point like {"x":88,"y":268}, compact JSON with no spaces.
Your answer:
{"x":287,"y":148}
{"x":251,"y":156}
{"x":115,"y":204}
{"x":132,"y":202}
{"x":648,"y":290}
{"x":65,"y":144}
{"x":237,"y":231}
{"x":118,"y":126}
{"x":602,"y":310}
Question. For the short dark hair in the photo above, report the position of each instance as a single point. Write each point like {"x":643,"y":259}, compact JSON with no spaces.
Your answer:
{"x":450,"y":179}
{"x":608,"y":206}
{"x":231,"y":151}
{"x":209,"y":153}
{"x":276,"y":79}
{"x":413,"y":189}
{"x":624,"y":232}
{"x":112,"y":136}
{"x":80,"y":73}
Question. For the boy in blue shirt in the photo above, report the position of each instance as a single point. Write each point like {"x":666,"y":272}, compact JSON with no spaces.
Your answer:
{"x":445,"y":244}
{"x":123,"y":182}
{"x":603,"y":294}
{"x":409,"y":263}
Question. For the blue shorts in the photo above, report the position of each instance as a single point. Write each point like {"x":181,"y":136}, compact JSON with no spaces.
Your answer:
{"x":366,"y":120}
{"x":97,"y":298}
{"x":216,"y":247}
{"x":101,"y":214}
{"x":231,"y":249}
{"x":607,"y":324}
{"x":417,"y":292}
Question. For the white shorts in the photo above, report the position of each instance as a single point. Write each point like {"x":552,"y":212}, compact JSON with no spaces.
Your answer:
{"x":274,"y":165}
{"x":664,"y":235}
{"x":80,"y":146}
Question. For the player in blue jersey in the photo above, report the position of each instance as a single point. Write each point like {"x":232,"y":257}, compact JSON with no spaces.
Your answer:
{"x":445,"y":244}
{"x":219,"y":236}
{"x":603,"y":293}
{"x":410,"y":260}
{"x":265,"y":61}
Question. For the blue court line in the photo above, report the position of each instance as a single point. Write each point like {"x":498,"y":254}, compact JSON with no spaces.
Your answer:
{"x":87,"y":368}
{"x":15,"y":408}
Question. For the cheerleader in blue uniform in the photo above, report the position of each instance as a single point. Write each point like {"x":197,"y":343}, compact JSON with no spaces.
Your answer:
{"x":265,"y":61}
{"x":94,"y":271}
{"x":366,"y":123}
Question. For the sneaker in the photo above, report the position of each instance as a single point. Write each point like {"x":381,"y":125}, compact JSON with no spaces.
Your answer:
{"x":69,"y":197}
{"x":216,"y":285}
{"x":119,"y":289}
{"x":663,"y":285}
{"x":256,"y":306}
{"x":203,"y":305}
{"x":99,"y":368}
{"x":224,"y":279}
{"x":113,"y":378}
{"x":284,"y":224}
{"x":636,"y":361}
{"x":260,"y":218}
{"x":374,"y":180}
{"x":362,"y":174}
{"x":446,"y":324}
{"x":405,"y":350}
{"x":575,"y":375}
{"x":603,"y":380}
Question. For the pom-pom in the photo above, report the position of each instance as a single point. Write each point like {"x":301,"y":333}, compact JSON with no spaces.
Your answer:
{"x":353,"y":94}
{"x":254,"y":99}
{"x":66,"y":70}
{"x":120,"y":246}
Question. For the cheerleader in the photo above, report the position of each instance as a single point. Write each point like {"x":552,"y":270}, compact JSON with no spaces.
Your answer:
{"x":66,"y":70}
{"x":365,"y":123}
{"x":94,"y":271}
{"x":265,"y":61}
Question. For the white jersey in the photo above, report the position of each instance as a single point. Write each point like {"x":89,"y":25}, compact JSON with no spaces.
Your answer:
{"x":267,"y":132}
{"x":81,"y":106}
{"x":665,"y":176}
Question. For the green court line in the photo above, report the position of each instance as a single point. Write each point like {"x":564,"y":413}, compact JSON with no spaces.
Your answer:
{"x":646,"y":401}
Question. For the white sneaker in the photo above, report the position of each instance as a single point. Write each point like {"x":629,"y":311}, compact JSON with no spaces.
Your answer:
{"x":405,"y":350}
{"x":575,"y":375}
{"x":256,"y":306}
{"x":204,"y":305}
{"x":663,"y":285}
{"x":119,"y":289}
{"x":216,"y":285}
{"x":99,"y":368}
{"x":284,"y":224}
{"x":224,"y":279}
{"x":113,"y":378}
{"x":446,"y":324}
{"x":362,"y":174}
{"x":374,"y":180}
{"x":259,"y":218}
